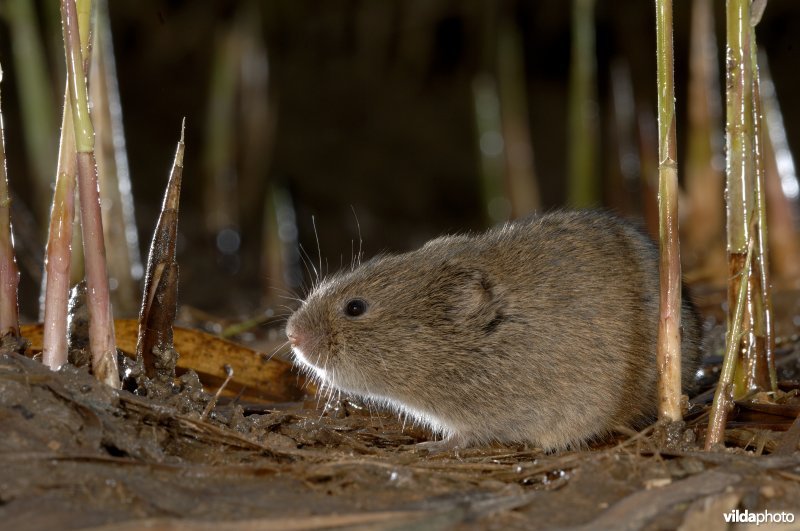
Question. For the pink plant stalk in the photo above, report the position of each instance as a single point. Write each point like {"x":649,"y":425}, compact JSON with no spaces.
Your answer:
{"x":59,"y":249}
{"x":102,"y":342}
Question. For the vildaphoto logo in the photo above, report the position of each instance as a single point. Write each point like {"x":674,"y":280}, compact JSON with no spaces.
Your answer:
{"x":762,"y":517}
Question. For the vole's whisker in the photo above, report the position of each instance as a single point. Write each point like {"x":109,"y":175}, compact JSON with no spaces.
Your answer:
{"x":277,"y":349}
{"x":281,"y":290}
{"x":360,"y":241}
{"x":331,"y":397}
{"x":323,"y":395}
{"x":292,"y":298}
{"x":323,"y":387}
{"x":311,"y":270}
{"x":303,"y":287}
{"x":372,"y":412}
{"x":319,"y":249}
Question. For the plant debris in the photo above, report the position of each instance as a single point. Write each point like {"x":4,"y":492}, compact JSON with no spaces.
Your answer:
{"x":104,"y":457}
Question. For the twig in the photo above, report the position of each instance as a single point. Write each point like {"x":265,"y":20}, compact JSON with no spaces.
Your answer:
{"x":723,"y":395}
{"x":213,"y":401}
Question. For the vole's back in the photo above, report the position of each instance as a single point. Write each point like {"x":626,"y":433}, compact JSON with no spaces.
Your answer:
{"x":584,"y":286}
{"x":543,"y":331}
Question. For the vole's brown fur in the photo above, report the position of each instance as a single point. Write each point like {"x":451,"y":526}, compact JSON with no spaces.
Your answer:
{"x":542,"y":331}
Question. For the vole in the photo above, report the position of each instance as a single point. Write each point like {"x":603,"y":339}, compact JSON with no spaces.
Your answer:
{"x":541,"y":331}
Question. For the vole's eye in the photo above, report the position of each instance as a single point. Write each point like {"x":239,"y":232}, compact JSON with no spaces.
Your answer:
{"x":355,"y":307}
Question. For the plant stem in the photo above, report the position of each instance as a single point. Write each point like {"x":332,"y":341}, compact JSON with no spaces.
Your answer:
{"x":124,"y":263}
{"x":59,"y":248}
{"x":59,"y":257}
{"x":764,"y":357}
{"x":35,"y":97}
{"x":669,"y":339}
{"x":781,"y":186}
{"x":742,"y":169}
{"x":488,"y":127}
{"x":9,"y":274}
{"x":101,"y":325}
{"x":703,"y":177}
{"x":582,"y":119}
{"x":723,"y":394}
{"x":522,"y":188}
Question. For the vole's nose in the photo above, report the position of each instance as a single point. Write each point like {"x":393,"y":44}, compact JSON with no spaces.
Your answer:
{"x":294,"y":336}
{"x":294,"y":339}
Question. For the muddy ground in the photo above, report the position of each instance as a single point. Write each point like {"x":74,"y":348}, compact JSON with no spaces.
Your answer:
{"x":76,"y":455}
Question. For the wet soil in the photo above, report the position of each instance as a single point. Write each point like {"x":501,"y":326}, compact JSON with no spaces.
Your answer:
{"x":76,"y":455}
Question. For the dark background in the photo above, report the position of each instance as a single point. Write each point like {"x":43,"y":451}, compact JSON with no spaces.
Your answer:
{"x":368,"y":116}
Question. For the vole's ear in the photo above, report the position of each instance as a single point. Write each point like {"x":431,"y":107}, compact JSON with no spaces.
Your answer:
{"x":475,"y":297}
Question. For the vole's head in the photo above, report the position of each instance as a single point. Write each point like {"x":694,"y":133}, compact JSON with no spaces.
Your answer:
{"x":395,"y":323}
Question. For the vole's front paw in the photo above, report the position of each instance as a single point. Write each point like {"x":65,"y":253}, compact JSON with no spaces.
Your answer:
{"x":448,"y":444}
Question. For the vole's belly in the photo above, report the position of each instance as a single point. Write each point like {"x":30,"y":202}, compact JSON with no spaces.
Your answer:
{"x":550,"y":420}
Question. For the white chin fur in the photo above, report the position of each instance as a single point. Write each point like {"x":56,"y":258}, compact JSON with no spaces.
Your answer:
{"x":416,"y":416}
{"x":303,"y":360}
